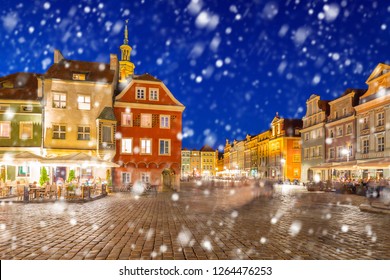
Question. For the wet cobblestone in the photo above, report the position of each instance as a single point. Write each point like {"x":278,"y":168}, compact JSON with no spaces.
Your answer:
{"x":204,"y":222}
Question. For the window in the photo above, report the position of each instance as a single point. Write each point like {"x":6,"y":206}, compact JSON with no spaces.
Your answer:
{"x":349,"y":129}
{"x":336,"y":115}
{"x":339,"y":152}
{"x":5,"y":129}
{"x":339,"y":131}
{"x":319,"y":132}
{"x":306,"y":136}
{"x":296,"y":145}
{"x":23,"y":171}
{"x":350,"y":150}
{"x":296,"y":172}
{"x":381,"y":143}
{"x":146,"y":120}
{"x":59,"y":131}
{"x":146,"y":146}
{"x":59,"y":100}
{"x":331,"y":133}
{"x":140,"y":93}
{"x":25,"y":130}
{"x":313,"y":134}
{"x":145,"y":177}
{"x":126,"y":176}
{"x":344,"y":111}
{"x":127,"y":119}
{"x":86,"y":173}
{"x":366,"y":146}
{"x":83,"y":133}
{"x":4,"y":108}
{"x":153,"y":94}
{"x":84,"y":102}
{"x":164,"y":121}
{"x":79,"y":76}
{"x":331,"y":152}
{"x":127,"y":145}
{"x":364,"y":123}
{"x":27,"y":108}
{"x":380,"y":118}
{"x":107,"y":134}
{"x":319,"y":151}
{"x":296,"y":158}
{"x":165,"y":147}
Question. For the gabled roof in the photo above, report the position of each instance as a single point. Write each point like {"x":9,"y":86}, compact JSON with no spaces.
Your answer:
{"x":107,"y":114}
{"x":95,"y":71}
{"x":207,"y":148}
{"x":380,"y":69}
{"x":24,"y":86}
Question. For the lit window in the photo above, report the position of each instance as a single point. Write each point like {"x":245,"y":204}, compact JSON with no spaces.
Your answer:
{"x":27,"y":108}
{"x":59,"y":100}
{"x":349,"y":129}
{"x":145,"y":177}
{"x":126,"y":176}
{"x":381,"y":119}
{"x":59,"y":131}
{"x":165,"y":148}
{"x":106,"y":134}
{"x":127,"y":145}
{"x":23,"y":171}
{"x":79,"y":76}
{"x":5,"y":129}
{"x":164,"y":121}
{"x":153,"y":94}
{"x":140,"y":93}
{"x":83,"y":133}
{"x":146,"y":146}
{"x":84,"y":102}
{"x":146,"y":120}
{"x":26,"y":130}
{"x":339,"y":131}
{"x":127,"y":119}
{"x":381,"y":143}
{"x":366,"y":146}
{"x":331,"y":153}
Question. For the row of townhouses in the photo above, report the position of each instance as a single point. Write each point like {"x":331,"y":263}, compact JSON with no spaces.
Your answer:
{"x":101,"y":120}
{"x":195,"y":163}
{"x":347,"y":137}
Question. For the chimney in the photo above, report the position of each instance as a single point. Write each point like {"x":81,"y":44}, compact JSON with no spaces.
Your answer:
{"x":58,"y":56}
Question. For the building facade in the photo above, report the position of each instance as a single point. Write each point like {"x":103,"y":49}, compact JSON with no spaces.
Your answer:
{"x":313,"y":139}
{"x":340,"y":145}
{"x":373,"y":117}
{"x":20,"y":125}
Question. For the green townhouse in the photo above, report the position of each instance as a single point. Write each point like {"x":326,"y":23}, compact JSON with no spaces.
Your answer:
{"x":20,"y":126}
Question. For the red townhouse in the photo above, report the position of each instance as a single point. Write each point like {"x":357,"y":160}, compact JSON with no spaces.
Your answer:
{"x":148,"y":134}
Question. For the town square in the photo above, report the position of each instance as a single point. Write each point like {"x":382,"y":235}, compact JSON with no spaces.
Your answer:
{"x":195,"y":131}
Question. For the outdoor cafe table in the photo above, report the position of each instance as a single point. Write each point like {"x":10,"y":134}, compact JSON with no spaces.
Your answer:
{"x":37,"y":191}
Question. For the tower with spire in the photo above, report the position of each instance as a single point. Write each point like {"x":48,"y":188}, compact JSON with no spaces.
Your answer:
{"x":126,"y":67}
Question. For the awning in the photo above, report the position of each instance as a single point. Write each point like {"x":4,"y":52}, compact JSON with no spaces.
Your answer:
{"x":79,"y":159}
{"x":19,"y":158}
{"x":323,"y":166}
{"x":374,"y":164}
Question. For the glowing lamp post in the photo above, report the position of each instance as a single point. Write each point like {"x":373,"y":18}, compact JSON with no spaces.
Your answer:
{"x":346,"y":153}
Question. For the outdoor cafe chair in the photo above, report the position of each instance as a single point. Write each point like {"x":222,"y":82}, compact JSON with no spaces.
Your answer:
{"x":19,"y":191}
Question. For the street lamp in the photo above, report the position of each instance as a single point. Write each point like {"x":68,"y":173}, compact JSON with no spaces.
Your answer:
{"x":346,"y":153}
{"x":282,"y":162}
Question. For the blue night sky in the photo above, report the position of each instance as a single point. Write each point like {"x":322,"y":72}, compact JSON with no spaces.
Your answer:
{"x":233,"y":64}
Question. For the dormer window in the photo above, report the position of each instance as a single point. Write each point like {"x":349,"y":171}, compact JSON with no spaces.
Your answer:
{"x":6,"y":84}
{"x":79,"y":76}
{"x":27,"y":108}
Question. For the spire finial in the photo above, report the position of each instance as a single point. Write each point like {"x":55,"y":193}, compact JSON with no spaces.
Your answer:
{"x":126,"y":40}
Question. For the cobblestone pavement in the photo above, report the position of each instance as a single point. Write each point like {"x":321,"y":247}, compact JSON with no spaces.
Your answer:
{"x":199,"y":222}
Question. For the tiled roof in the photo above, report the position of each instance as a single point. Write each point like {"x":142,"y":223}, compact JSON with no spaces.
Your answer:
{"x":146,"y":77}
{"x":206,"y":148}
{"x":95,"y":72}
{"x":24,"y":87}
